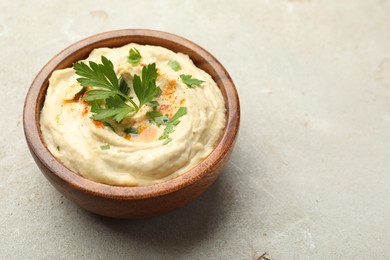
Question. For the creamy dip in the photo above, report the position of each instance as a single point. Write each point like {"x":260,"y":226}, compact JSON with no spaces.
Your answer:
{"x":103,"y":152}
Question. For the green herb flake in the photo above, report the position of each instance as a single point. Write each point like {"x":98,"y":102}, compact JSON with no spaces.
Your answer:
{"x":172,"y":123}
{"x":157,"y":117}
{"x":174,"y":65}
{"x":168,"y":140}
{"x":105,"y":147}
{"x":58,"y":148}
{"x":131,"y":130}
{"x":134,"y":56}
{"x":179,"y":113}
{"x":167,"y":131}
{"x":189,"y":81}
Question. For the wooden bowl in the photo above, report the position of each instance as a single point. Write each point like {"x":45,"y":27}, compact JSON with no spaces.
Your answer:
{"x":131,"y":202}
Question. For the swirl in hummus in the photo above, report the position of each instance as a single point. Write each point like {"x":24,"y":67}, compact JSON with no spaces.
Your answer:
{"x":104,"y":152}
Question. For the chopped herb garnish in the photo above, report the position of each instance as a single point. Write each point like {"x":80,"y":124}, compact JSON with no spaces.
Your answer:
{"x":167,"y":141}
{"x":189,"y":81}
{"x":168,"y":129}
{"x":172,"y":123}
{"x":179,"y":113}
{"x":134,"y":56}
{"x":105,"y":147}
{"x":58,"y":148}
{"x":131,"y":130}
{"x":157,"y":117}
{"x":174,"y":65}
{"x":111,"y":99}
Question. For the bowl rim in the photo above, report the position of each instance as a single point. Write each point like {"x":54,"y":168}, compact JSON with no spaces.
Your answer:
{"x":32,"y":108}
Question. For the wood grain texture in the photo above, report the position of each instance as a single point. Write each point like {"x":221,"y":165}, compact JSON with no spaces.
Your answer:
{"x":131,"y":202}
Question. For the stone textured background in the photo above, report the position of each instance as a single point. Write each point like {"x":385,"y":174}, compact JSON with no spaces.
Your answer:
{"x":310,"y":174}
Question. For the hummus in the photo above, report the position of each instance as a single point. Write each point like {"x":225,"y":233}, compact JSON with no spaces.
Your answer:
{"x":103,"y":152}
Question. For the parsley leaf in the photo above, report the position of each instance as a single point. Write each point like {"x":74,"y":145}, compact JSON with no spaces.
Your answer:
{"x":189,"y":81}
{"x":174,"y":65}
{"x":145,"y":89}
{"x":95,"y":106}
{"x":98,"y":94}
{"x":131,"y":130}
{"x":102,"y":76}
{"x":154,"y":104}
{"x":115,"y":108}
{"x":97,"y":75}
{"x":134,"y":56}
{"x":123,"y":87}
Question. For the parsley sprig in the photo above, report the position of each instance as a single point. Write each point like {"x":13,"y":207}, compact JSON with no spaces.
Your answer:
{"x":110,"y":93}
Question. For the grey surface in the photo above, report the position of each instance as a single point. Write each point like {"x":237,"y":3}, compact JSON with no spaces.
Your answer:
{"x":309,"y":177}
